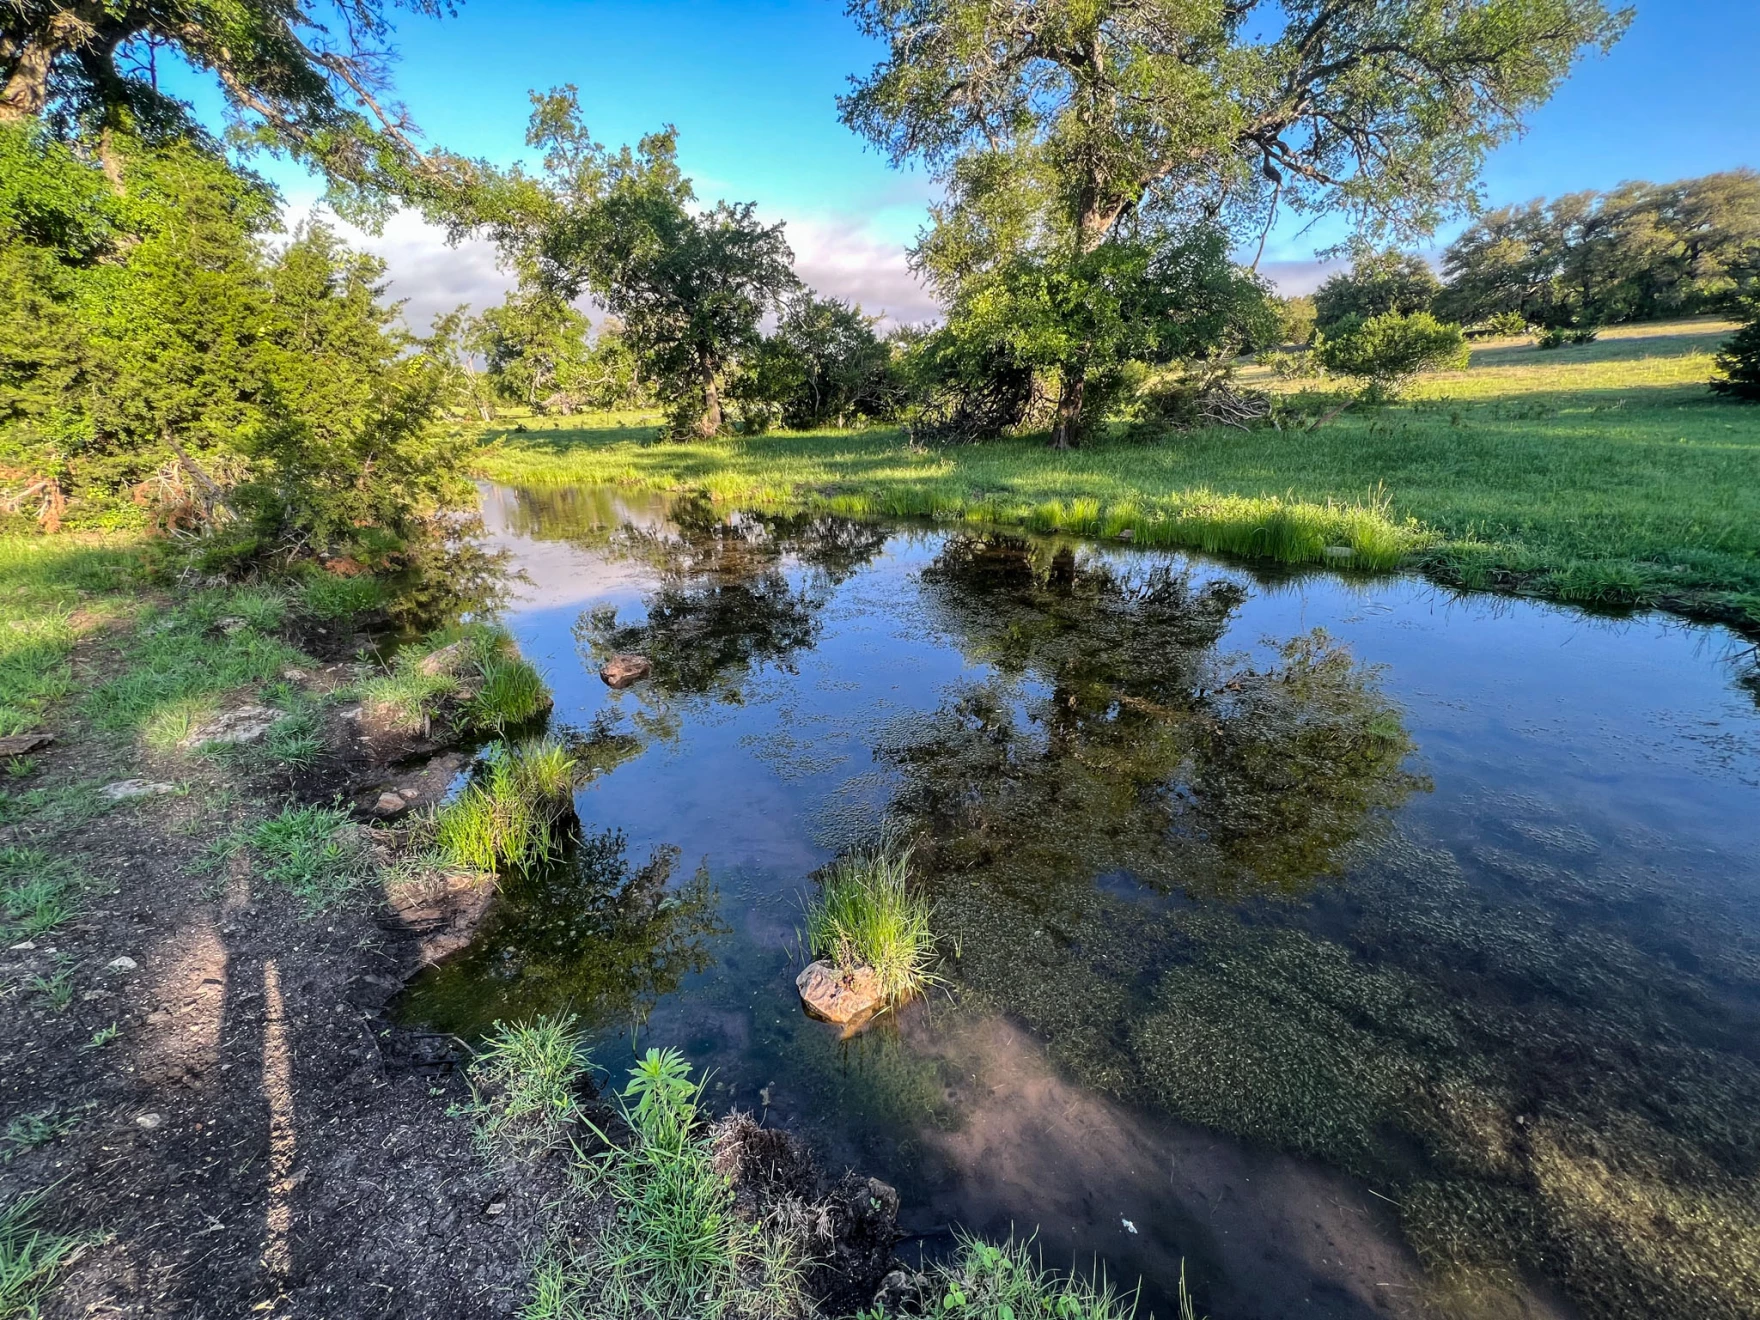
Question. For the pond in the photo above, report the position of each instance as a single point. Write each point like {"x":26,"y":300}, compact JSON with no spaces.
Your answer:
{"x":1358,"y":947}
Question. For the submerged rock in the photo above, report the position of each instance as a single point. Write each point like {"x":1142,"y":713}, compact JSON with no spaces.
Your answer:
{"x":834,"y":995}
{"x":622,"y":670}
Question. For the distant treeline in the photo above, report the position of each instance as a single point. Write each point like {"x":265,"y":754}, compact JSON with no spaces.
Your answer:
{"x":1641,"y":252}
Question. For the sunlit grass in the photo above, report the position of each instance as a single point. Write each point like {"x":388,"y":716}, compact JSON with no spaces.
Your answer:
{"x":513,"y":812}
{"x":526,"y":1080}
{"x":314,"y":852}
{"x":1605,"y":471}
{"x":866,"y":914}
{"x":987,"y":1280}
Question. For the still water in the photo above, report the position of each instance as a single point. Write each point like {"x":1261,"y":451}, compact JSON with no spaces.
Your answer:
{"x":1362,"y":948}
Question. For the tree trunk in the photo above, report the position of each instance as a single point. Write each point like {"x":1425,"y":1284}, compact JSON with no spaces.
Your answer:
{"x":710,"y":423}
{"x":1066,"y":432}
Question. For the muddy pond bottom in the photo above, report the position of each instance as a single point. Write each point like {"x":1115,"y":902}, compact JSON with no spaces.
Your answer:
{"x":1361,"y":949}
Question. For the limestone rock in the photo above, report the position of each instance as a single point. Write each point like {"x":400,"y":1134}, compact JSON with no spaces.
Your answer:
{"x":121,"y":965}
{"x":845,"y":998}
{"x":447,"y":662}
{"x":621,"y":671}
{"x":124,"y":789}
{"x":18,"y":744}
{"x":389,"y":804}
{"x":241,"y":725}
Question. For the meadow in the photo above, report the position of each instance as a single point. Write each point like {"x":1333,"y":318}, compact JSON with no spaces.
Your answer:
{"x":1604,"y":474}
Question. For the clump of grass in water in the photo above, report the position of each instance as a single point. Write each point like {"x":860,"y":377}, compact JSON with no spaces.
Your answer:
{"x":498,"y":690}
{"x":315,"y":852}
{"x":675,"y":1246}
{"x":509,"y":692}
{"x":526,"y":1083}
{"x":29,"y":1257}
{"x":510,"y":816}
{"x":866,"y":915}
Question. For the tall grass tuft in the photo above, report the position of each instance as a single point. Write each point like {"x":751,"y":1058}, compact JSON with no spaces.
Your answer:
{"x":39,"y":891}
{"x":866,"y":915}
{"x":509,"y":692}
{"x":29,"y":1257}
{"x":513,"y":812}
{"x":315,"y":852}
{"x":676,"y":1246}
{"x":526,"y":1081}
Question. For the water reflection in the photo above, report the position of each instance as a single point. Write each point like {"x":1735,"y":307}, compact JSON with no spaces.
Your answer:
{"x":591,"y":934}
{"x":1202,"y":876}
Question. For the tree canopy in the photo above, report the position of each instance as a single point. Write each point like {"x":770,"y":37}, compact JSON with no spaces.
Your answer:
{"x":1067,"y":124}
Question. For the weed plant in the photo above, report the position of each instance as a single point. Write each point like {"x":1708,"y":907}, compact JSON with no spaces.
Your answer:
{"x":314,"y":852}
{"x":30,"y":1257}
{"x":514,"y":812}
{"x":38,"y":891}
{"x":865,"y":914}
{"x":28,"y":1131}
{"x":675,"y":1246}
{"x":989,"y":1281}
{"x":526,"y":1082}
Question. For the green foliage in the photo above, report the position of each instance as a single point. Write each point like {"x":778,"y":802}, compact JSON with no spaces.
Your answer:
{"x":38,"y":891}
{"x":508,"y":692}
{"x":526,"y":1081}
{"x":514,"y":811}
{"x":166,"y":362}
{"x":1507,"y":325}
{"x":472,"y":670}
{"x":1642,"y":252}
{"x":1376,"y":284}
{"x":986,"y":1281}
{"x":1296,"y":319}
{"x":675,"y":1248}
{"x":823,"y":366}
{"x":866,"y":915}
{"x":315,"y":852}
{"x":28,"y":1131}
{"x":1738,"y":364}
{"x":1388,"y":351}
{"x":30,"y":1256}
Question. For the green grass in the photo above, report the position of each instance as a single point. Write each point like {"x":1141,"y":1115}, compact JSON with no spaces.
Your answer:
{"x":526,"y":1080}
{"x":1602,"y":473}
{"x":39,"y":892}
{"x":314,"y":852}
{"x":474,"y":666}
{"x":509,"y":692}
{"x":28,"y":1131}
{"x":51,"y":591}
{"x":990,"y":1281}
{"x":866,"y":915}
{"x":513,"y":812}
{"x":29,"y":1256}
{"x":339,"y":599}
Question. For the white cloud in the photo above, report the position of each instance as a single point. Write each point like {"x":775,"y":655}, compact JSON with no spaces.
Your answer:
{"x":845,"y":257}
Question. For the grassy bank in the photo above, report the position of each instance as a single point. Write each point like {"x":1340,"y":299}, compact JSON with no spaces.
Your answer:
{"x":1600,"y":474}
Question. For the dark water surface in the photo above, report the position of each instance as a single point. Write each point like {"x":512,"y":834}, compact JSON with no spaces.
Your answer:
{"x":1367,"y":949}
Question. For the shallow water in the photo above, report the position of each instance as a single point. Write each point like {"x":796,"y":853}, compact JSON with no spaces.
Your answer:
{"x":1410,"y":964}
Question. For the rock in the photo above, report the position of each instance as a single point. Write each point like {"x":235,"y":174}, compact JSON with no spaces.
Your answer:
{"x":845,"y":998}
{"x":18,"y":744}
{"x":389,"y":804}
{"x":448,"y":661}
{"x":120,"y":965}
{"x":243,"y":725}
{"x":409,"y":794}
{"x":123,"y":789}
{"x":23,"y":946}
{"x":1128,"y":534}
{"x":149,"y":1121}
{"x":294,"y":674}
{"x":231,"y":626}
{"x":496,"y":1207}
{"x":1338,"y":554}
{"x":622,"y":670}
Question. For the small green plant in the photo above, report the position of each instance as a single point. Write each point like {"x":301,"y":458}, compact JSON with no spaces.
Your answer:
{"x":102,"y":1037}
{"x":1553,"y":337}
{"x":28,"y":1131}
{"x":866,"y":915}
{"x":329,"y":597}
{"x":512,"y":814}
{"x":986,"y":1281}
{"x":315,"y":852}
{"x":1508,"y":325}
{"x":57,"y":987}
{"x":29,"y":1257}
{"x":526,"y":1080}
{"x":38,"y":891}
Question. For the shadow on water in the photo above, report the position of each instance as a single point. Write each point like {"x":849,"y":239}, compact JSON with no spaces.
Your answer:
{"x":1406,"y":964}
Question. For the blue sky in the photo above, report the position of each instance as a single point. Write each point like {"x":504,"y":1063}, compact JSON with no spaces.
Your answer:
{"x":751,"y":86}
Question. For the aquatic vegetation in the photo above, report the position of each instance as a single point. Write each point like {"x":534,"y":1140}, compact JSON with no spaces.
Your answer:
{"x":508,"y":692}
{"x":986,"y":1280}
{"x":471,"y":668}
{"x":515,"y":810}
{"x":526,"y":1080}
{"x":866,"y":914}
